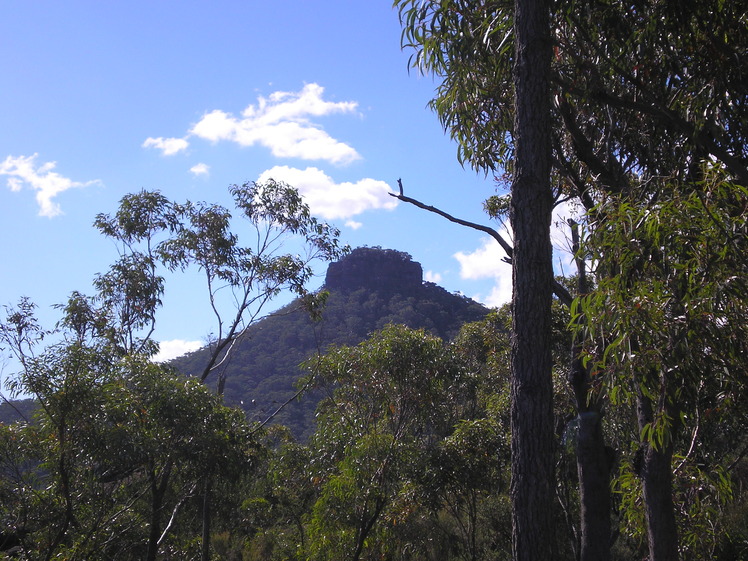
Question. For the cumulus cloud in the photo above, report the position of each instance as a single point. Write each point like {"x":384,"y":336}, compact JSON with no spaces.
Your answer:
{"x":486,"y":263}
{"x":500,"y":294}
{"x":169,"y":350}
{"x":23,"y":172}
{"x":430,"y":276}
{"x":168,"y":146}
{"x":282,"y":123}
{"x":200,"y":169}
{"x":331,"y":200}
{"x":353,"y":225}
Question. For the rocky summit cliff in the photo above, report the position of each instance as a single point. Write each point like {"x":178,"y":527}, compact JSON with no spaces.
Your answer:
{"x":375,"y":269}
{"x":368,"y":289}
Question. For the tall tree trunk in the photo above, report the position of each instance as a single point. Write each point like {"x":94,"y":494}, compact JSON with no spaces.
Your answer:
{"x":207,"y":519}
{"x":159,"y":484}
{"x":207,"y":513}
{"x":532,"y":202}
{"x":593,"y":463}
{"x":593,"y":468}
{"x":655,"y":470}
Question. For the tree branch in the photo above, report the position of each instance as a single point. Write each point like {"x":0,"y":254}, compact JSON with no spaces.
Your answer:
{"x":558,"y":289}
{"x":486,"y":229}
{"x":610,"y":174}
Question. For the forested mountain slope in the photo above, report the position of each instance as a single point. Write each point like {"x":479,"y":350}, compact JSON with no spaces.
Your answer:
{"x":368,"y":289}
{"x":21,"y":409}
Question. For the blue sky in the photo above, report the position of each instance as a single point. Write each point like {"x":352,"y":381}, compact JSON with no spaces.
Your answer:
{"x":100,"y":99}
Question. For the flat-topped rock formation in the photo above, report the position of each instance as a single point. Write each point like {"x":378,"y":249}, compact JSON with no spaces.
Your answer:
{"x":375,"y":268}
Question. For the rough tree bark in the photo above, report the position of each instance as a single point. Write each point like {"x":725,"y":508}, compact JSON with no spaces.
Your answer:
{"x":593,"y":463}
{"x":532,"y":489}
{"x":655,"y":469}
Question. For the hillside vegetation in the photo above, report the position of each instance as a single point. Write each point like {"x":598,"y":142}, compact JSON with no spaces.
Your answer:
{"x":368,"y":289}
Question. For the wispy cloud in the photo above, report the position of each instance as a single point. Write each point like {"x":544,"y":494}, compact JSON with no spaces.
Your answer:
{"x":561,"y":236}
{"x":168,"y":146}
{"x":22,"y":171}
{"x":282,"y":122}
{"x":200,"y":169}
{"x":331,"y":200}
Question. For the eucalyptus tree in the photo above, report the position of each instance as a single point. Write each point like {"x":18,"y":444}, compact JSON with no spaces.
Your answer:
{"x":667,"y":331}
{"x":640,"y":91}
{"x":381,"y":395}
{"x":645,"y":108}
{"x":247,"y":260}
{"x":391,"y":458}
{"x":244,"y":259}
{"x":532,"y":485}
{"x":242,"y":274}
{"x":444,"y":35}
{"x":118,"y":448}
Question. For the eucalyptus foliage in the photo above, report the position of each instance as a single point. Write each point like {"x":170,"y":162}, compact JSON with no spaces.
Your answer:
{"x":666,"y":326}
{"x":643,"y":87}
{"x":405,"y":450}
{"x":244,"y":258}
{"x":671,"y":303}
{"x":116,"y":450}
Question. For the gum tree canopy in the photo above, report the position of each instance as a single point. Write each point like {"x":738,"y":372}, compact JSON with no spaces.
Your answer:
{"x":121,"y":445}
{"x":646,"y":97}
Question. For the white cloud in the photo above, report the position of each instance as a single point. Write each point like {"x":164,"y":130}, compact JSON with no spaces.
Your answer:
{"x":561,"y":236}
{"x":486,"y":262}
{"x":292,"y":106}
{"x":168,"y":146}
{"x":331,"y":200}
{"x":169,"y":350}
{"x":500,"y":294}
{"x":47,"y":183}
{"x":200,"y":169}
{"x":353,"y":225}
{"x":430,"y":276}
{"x":282,"y":124}
{"x":215,"y":126}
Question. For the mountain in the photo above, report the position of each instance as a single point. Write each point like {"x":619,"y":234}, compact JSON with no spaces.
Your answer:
{"x":17,"y":410}
{"x":368,"y":289}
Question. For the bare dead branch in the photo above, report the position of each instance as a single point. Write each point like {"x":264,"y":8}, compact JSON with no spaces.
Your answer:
{"x":486,"y":229}
{"x":559,"y":290}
